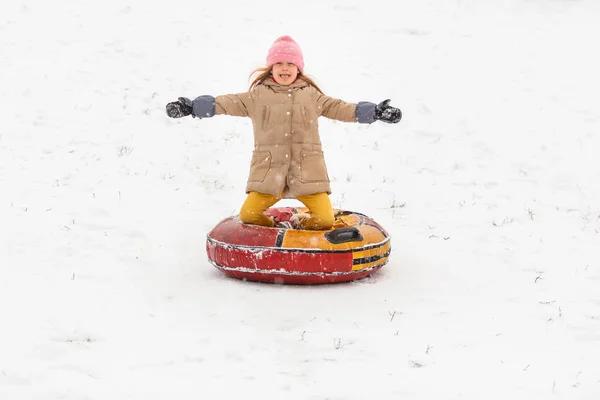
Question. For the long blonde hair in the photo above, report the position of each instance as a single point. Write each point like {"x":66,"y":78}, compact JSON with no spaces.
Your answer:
{"x":265,"y":72}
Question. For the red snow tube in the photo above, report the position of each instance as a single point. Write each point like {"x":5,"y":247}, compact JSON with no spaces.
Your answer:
{"x":354,"y":248}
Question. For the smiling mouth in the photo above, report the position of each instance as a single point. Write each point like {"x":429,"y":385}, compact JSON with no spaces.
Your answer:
{"x":284,"y":76}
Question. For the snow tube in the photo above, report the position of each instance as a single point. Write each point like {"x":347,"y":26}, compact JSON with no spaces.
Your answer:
{"x":354,"y":248}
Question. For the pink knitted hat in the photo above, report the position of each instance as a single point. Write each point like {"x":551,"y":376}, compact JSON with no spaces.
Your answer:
{"x":285,"y":49}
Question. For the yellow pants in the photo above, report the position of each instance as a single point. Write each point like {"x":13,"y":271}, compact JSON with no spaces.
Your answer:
{"x":318,"y":204}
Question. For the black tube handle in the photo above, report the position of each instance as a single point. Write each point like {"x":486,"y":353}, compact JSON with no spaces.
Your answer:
{"x":344,"y":235}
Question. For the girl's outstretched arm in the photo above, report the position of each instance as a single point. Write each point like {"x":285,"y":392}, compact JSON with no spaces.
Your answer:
{"x":237,"y":105}
{"x":206,"y":106}
{"x":364,"y":112}
{"x":332,"y":108}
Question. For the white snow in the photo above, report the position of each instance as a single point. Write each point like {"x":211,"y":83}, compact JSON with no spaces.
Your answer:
{"x":489,"y":186}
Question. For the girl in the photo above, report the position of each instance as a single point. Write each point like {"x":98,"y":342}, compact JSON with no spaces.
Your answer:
{"x":284,"y":105}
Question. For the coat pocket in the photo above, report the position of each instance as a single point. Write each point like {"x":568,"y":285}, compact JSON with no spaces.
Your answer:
{"x":259,"y":166}
{"x":310,"y":118}
{"x":304,"y":114}
{"x":312,"y":167}
{"x":265,"y":116}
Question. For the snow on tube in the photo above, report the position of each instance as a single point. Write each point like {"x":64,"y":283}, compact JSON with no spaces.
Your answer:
{"x":354,"y":248}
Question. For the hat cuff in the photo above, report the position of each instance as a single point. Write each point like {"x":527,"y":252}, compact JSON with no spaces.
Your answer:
{"x":286,"y":58}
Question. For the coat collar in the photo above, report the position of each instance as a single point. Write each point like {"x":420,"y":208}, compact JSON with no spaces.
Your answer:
{"x":299,"y":83}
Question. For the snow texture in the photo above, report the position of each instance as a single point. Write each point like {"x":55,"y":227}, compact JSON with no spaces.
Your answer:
{"x":489,"y":187}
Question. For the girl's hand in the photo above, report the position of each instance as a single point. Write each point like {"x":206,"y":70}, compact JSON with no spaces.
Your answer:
{"x":180,"y":108}
{"x":384,"y":112}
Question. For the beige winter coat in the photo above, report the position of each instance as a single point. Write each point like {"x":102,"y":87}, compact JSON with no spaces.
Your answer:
{"x":288,"y":159}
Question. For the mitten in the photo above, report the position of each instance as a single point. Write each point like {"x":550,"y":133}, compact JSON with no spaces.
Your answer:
{"x":180,"y":108}
{"x":384,"y":112}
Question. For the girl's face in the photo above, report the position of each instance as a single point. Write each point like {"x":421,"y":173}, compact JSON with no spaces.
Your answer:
{"x":284,"y":73}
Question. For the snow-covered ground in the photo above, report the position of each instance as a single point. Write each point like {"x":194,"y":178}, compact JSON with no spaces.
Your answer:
{"x":490,"y":187}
